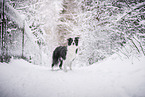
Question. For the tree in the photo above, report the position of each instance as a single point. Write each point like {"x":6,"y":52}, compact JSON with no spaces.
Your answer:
{"x":41,"y":19}
{"x":97,"y":31}
{"x":68,"y":24}
{"x":3,"y":34}
{"x":108,"y":26}
{"x":131,"y":24}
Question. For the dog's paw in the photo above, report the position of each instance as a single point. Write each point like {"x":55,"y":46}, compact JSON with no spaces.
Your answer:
{"x":65,"y":70}
{"x":70,"y":68}
{"x":52,"y":69}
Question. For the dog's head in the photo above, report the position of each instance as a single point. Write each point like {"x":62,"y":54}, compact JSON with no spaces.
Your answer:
{"x":73,"y":41}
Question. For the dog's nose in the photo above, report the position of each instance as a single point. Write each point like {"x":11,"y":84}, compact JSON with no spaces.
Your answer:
{"x":73,"y":43}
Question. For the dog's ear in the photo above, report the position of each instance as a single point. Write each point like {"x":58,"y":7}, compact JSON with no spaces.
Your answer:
{"x":77,"y":38}
{"x":76,"y":41}
{"x":70,"y":40}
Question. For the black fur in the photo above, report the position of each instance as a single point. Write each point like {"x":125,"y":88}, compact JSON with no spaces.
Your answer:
{"x":59,"y":55}
{"x":76,"y":41}
{"x":70,"y":40}
{"x":76,"y":50}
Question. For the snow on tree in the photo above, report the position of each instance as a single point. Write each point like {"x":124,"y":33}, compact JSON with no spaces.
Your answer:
{"x":104,"y":27}
{"x":42,"y":18}
{"x":96,"y":32}
{"x":19,"y":41}
{"x":130,"y":24}
{"x":68,"y":23}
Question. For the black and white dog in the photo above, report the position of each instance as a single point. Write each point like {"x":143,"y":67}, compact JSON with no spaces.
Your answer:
{"x":65,"y":54}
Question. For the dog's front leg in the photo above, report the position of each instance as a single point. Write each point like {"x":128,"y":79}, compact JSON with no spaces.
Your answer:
{"x":70,"y":65}
{"x":65,"y":66}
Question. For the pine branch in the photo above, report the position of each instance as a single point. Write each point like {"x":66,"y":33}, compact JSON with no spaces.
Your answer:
{"x":140,"y":46}
{"x":132,"y":9}
{"x":134,"y":44}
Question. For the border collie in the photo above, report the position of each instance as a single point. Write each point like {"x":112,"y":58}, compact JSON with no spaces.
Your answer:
{"x":65,"y":55}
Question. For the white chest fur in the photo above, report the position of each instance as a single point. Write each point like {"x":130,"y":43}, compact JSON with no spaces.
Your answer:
{"x":71,"y":54}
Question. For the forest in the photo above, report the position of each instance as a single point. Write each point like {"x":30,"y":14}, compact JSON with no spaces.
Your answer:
{"x":105,"y":27}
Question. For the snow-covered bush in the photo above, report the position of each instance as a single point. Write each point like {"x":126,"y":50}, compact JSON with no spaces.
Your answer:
{"x":131,"y":24}
{"x":17,"y":39}
{"x":97,"y":34}
{"x":108,"y":26}
{"x":41,"y":18}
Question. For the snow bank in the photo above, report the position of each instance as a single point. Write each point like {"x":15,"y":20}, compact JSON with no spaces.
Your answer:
{"x":111,"y":78}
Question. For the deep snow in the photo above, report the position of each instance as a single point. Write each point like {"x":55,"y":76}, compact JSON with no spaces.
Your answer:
{"x":110,"y":78}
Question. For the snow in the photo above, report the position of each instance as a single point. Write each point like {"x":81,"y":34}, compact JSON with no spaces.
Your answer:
{"x":19,"y":19}
{"x":113,"y":77}
{"x":14,"y":15}
{"x":142,"y":22}
{"x":110,"y":78}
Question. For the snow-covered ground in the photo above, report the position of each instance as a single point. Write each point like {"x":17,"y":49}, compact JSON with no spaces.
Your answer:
{"x":110,"y":78}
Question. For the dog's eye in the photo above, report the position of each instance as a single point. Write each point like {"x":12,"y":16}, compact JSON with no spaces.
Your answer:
{"x":70,"y":40}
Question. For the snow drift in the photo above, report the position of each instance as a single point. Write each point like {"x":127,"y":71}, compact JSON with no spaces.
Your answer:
{"x":111,"y":78}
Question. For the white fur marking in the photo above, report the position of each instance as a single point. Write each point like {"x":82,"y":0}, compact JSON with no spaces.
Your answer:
{"x":71,"y":54}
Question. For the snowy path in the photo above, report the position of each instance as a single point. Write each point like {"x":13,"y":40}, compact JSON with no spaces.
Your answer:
{"x":106,"y":79}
